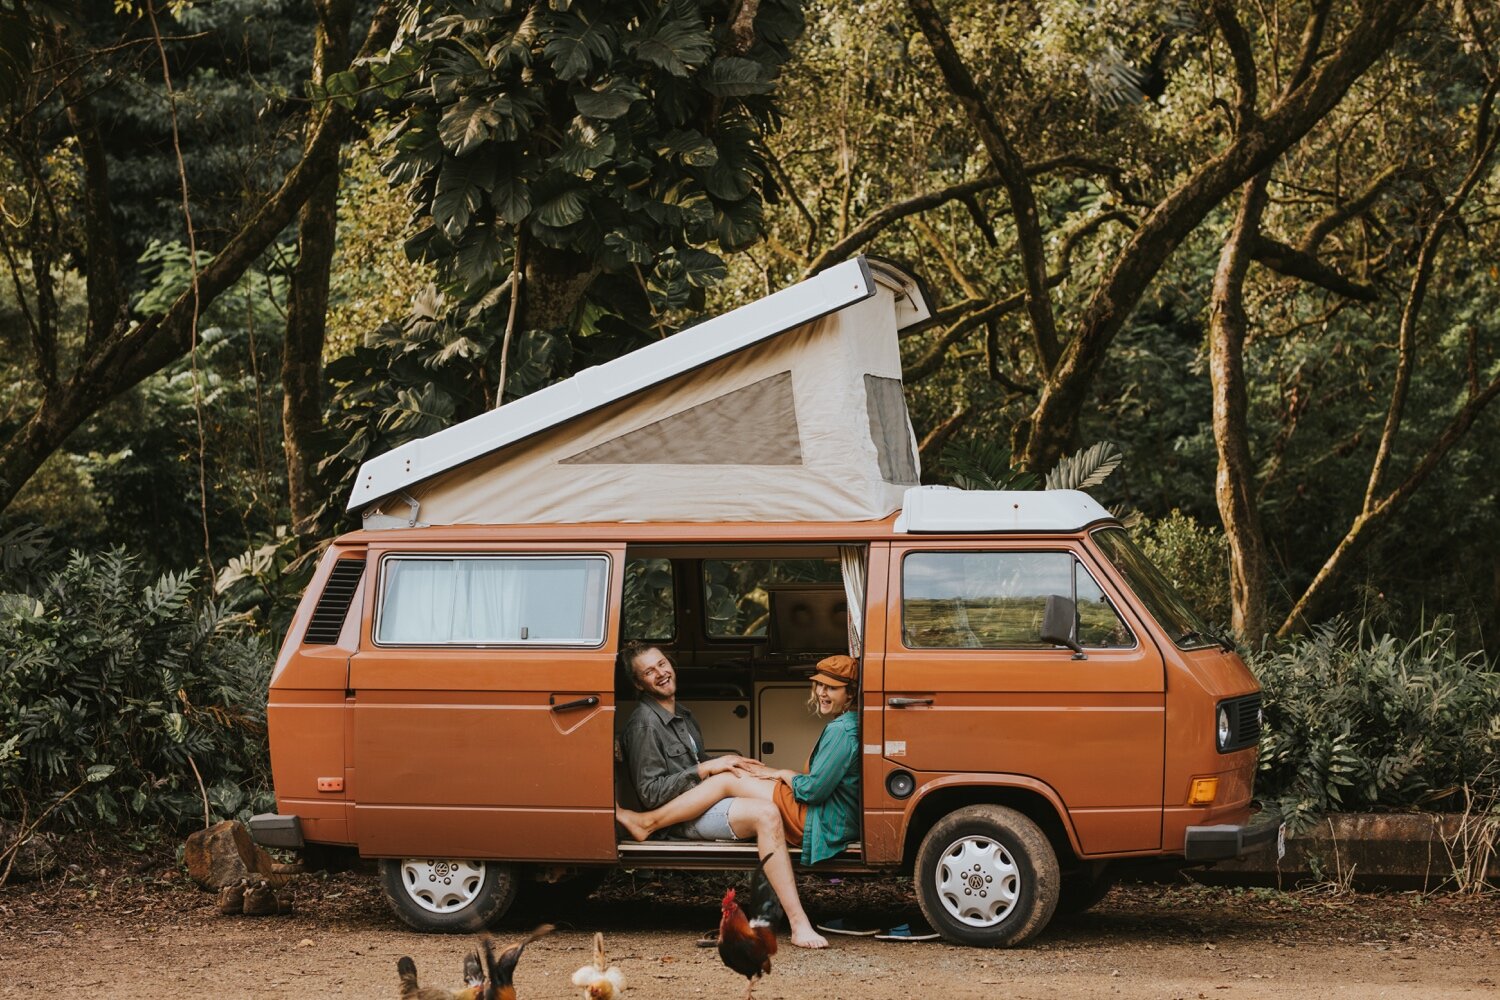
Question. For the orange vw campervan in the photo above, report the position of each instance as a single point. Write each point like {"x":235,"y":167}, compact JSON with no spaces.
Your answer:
{"x":1038,"y":704}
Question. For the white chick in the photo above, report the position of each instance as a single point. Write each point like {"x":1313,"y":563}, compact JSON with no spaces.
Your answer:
{"x":600,"y":981}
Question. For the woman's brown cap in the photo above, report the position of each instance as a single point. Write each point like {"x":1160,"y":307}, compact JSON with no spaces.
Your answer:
{"x":839,"y":671}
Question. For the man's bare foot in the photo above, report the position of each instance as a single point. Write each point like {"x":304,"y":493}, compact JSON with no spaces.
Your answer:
{"x":631,"y":821}
{"x":808,"y":938}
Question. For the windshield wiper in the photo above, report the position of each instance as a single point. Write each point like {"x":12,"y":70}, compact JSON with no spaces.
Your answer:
{"x":1192,"y":634}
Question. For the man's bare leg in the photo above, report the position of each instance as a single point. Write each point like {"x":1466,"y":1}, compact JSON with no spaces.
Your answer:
{"x":762,"y":819}
{"x":694,"y":803}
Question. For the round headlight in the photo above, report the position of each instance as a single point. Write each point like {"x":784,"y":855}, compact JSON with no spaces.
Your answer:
{"x":1223,"y":727}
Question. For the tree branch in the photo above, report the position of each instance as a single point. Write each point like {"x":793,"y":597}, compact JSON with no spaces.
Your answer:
{"x":1291,"y":262}
{"x":1011,"y":169}
{"x":1340,"y":214}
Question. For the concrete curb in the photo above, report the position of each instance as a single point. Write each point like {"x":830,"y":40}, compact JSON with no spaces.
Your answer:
{"x":1406,"y":850}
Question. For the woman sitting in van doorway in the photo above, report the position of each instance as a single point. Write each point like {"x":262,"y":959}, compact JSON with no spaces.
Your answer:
{"x":820,"y":808}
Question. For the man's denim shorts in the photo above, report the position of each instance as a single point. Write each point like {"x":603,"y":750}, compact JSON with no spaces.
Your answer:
{"x":712,"y":825}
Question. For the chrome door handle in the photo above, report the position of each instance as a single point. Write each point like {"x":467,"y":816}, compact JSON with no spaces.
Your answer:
{"x":907,"y":702}
{"x":568,"y":706}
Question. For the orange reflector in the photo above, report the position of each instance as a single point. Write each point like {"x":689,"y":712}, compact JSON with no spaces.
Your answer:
{"x":1203,"y":791}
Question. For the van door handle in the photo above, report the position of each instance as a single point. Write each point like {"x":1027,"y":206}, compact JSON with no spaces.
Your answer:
{"x":568,"y":706}
{"x":907,"y":702}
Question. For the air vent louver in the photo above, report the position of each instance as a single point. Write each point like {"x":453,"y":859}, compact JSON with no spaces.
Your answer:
{"x":333,"y":605}
{"x":1244,"y":722}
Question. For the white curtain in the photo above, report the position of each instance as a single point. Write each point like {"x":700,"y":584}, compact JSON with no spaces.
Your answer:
{"x":852,"y":562}
{"x":492,"y":600}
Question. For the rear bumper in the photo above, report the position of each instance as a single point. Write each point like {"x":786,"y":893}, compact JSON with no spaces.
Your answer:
{"x":1229,"y":840}
{"x":275,"y":830}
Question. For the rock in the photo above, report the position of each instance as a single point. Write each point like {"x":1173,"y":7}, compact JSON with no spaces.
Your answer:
{"x":224,"y":855}
{"x":36,"y":858}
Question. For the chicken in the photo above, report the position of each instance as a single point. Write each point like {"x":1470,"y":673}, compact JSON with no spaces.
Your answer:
{"x":600,"y":981}
{"x":487,"y":977}
{"x":473,"y":977}
{"x":746,"y":943}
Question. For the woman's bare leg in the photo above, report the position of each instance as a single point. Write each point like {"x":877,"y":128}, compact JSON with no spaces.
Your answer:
{"x":693,"y":803}
{"x":763,"y":819}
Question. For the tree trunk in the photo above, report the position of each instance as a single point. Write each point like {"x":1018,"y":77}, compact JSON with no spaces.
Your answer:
{"x":307,"y":297}
{"x":1234,"y":484}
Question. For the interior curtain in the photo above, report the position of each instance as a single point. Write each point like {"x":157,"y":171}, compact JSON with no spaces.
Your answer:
{"x":852,"y":562}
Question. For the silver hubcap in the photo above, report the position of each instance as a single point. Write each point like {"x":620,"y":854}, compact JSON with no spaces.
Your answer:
{"x":442,"y":886}
{"x":978,"y":881}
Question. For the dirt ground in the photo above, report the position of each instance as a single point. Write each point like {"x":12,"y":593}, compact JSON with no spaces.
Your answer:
{"x":138,"y":929}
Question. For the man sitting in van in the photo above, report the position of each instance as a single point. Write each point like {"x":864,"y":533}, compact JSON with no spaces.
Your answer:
{"x":663,"y":749}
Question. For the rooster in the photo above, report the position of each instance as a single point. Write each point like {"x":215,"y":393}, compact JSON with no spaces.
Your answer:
{"x":746,"y":944}
{"x":487,"y":977}
{"x":600,"y":981}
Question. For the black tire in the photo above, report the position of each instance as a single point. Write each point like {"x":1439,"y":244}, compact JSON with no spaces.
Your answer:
{"x":440,"y":896}
{"x":1082,"y":890}
{"x":987,"y":877}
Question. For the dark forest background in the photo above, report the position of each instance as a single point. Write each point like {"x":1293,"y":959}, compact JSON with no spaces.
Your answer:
{"x":1235,"y":265}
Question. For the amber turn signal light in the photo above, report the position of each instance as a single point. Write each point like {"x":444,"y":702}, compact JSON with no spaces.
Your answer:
{"x":1203,"y":791}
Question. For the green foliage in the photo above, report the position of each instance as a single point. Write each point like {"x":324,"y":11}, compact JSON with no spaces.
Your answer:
{"x":1355,"y":720}
{"x":1085,"y":469}
{"x":1194,"y":557}
{"x":985,"y":464}
{"x":626,"y":137}
{"x":102,"y":667}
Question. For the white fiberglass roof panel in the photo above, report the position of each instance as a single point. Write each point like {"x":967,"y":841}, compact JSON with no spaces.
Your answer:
{"x":945,"y":510}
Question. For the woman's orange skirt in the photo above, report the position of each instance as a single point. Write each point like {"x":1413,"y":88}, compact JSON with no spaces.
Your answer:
{"x":793,"y":813}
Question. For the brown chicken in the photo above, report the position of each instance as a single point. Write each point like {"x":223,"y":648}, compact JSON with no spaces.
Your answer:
{"x":487,"y":976}
{"x":747,"y":942}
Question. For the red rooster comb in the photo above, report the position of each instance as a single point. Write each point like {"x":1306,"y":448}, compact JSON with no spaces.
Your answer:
{"x":729,"y":903}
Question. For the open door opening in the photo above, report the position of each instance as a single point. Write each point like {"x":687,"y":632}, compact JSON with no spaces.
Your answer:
{"x":745,"y":626}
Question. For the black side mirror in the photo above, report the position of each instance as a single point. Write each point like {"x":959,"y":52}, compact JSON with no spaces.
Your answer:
{"x":1060,"y":624}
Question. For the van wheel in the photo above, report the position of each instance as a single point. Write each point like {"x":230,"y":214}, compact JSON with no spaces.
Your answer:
{"x":447,"y":896}
{"x":987,"y":877}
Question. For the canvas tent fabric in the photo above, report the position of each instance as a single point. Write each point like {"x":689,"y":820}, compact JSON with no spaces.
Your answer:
{"x":808,"y":424}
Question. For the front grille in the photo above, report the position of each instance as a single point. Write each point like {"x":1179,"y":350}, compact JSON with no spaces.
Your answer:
{"x":333,"y":604}
{"x":1244,"y":721}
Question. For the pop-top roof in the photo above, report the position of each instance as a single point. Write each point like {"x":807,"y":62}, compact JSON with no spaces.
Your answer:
{"x":943,"y":509}
{"x":803,"y":416}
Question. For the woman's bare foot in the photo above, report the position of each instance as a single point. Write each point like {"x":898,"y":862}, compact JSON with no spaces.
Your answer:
{"x":806,"y":937}
{"x":632,"y":822}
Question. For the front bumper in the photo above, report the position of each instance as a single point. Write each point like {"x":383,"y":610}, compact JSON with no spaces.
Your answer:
{"x":1229,"y":840}
{"x":275,"y":830}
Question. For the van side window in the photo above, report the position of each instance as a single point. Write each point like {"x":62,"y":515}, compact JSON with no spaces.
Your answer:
{"x":650,"y":600}
{"x":1099,"y":626}
{"x":735,"y":597}
{"x":995,"y":600}
{"x":542,"y":600}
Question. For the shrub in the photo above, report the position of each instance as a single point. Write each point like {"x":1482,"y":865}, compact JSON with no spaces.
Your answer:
{"x":1354,"y":721}
{"x":1195,"y":558}
{"x":102,"y":668}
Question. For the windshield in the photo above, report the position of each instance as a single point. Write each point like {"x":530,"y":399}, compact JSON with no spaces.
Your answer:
{"x":1156,"y":592}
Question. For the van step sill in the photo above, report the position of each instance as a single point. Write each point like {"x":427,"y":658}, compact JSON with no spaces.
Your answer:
{"x":714,"y":850}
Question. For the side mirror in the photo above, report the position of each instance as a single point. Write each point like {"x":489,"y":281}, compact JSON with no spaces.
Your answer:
{"x":1060,"y":624}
